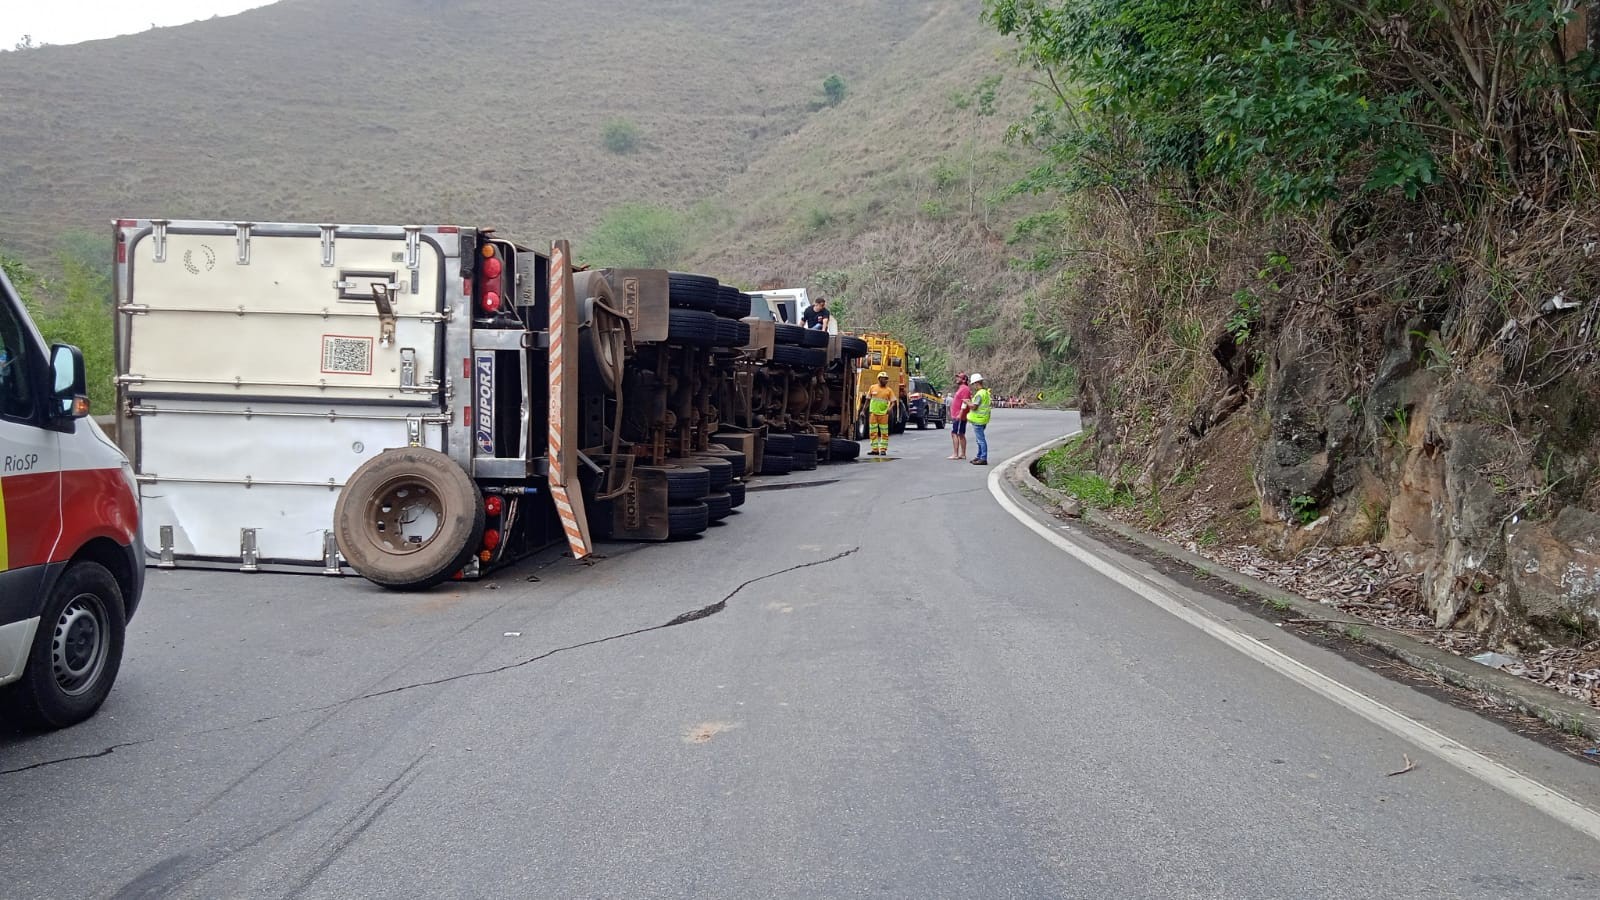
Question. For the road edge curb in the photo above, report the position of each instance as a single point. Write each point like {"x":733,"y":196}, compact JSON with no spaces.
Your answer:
{"x":1556,"y":710}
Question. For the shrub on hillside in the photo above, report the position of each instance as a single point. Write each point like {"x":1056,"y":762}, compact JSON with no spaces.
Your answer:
{"x":833,"y":90}
{"x":637,"y":236}
{"x":621,"y":136}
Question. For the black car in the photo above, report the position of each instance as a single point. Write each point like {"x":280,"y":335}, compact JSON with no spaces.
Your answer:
{"x":926,"y":404}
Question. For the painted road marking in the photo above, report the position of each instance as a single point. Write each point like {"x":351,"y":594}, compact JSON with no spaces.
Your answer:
{"x":1497,"y":775}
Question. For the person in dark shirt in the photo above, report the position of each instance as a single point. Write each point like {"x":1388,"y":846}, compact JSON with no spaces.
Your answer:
{"x":816,"y":315}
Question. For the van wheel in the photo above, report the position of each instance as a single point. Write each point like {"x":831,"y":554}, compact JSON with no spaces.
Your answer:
{"x":76,"y":651}
{"x":408,"y":519}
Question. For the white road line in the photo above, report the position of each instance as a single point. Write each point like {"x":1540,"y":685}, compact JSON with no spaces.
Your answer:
{"x":1546,"y":799}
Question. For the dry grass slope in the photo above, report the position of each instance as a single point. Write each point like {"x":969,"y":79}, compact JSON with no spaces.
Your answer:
{"x":889,"y":200}
{"x":382,"y":110}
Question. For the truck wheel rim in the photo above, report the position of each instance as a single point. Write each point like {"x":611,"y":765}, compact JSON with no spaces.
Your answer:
{"x":79,"y":645}
{"x":404,"y":516}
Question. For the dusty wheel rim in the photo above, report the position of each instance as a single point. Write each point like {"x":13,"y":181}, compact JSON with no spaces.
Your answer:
{"x":404,"y":515}
{"x":80,"y":644}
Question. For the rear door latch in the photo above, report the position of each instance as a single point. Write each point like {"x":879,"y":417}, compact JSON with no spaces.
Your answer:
{"x":380,"y":299}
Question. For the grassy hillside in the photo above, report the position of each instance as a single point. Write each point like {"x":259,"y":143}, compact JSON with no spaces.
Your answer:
{"x":378,"y":110}
{"x":892,"y":204}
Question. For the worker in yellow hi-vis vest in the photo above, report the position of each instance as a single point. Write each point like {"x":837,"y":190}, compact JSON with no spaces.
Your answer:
{"x":880,"y":400}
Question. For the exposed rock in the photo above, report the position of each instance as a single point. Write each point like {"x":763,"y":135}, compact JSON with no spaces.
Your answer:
{"x":1071,"y":508}
{"x":1555,"y":569}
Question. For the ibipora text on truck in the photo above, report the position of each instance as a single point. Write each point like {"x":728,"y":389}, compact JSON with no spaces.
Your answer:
{"x":426,"y":402}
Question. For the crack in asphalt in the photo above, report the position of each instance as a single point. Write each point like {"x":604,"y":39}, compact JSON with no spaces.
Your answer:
{"x":693,"y":615}
{"x":944,"y":494}
{"x":788,"y":485}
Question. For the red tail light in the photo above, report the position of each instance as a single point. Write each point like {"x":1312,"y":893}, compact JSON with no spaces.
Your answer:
{"x":916,"y":396}
{"x":490,"y":301}
{"x":492,"y":267}
{"x":491,"y":539}
{"x":493,"y":505}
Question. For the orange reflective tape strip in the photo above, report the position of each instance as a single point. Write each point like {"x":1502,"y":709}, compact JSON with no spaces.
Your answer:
{"x":5,"y":543}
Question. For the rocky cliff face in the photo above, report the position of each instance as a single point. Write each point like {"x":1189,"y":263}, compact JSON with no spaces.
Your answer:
{"x":1453,"y":420}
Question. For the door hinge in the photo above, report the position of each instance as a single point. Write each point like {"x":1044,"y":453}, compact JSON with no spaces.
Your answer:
{"x":169,"y":558}
{"x":241,"y":235}
{"x":158,"y":233}
{"x":249,"y":556}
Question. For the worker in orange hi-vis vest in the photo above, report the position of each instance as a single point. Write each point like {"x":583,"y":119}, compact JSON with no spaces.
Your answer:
{"x":880,"y":400}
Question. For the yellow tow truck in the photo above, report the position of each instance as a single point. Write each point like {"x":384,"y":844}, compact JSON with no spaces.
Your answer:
{"x":884,"y":354}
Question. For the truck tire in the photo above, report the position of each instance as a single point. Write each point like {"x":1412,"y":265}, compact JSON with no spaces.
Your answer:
{"x":687,"y":519}
{"x":719,"y":471}
{"x":799,"y":357}
{"x":733,"y":457}
{"x":779,"y":443}
{"x":732,"y":303}
{"x":718,"y":506}
{"x":691,"y":328}
{"x":776,"y":464}
{"x":732,"y":334}
{"x":784,"y":333}
{"x":407,"y":486}
{"x":685,"y":483}
{"x":852,"y":346}
{"x":897,"y":422}
{"x":736,"y":491}
{"x":841,"y":450}
{"x":816,"y":340}
{"x":76,"y":651}
{"x":686,"y":291}
{"x":806,"y":444}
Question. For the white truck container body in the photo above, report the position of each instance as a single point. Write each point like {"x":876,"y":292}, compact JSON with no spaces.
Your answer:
{"x":258,"y":368}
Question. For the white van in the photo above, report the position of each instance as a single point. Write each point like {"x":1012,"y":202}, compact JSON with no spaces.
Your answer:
{"x":71,"y":561}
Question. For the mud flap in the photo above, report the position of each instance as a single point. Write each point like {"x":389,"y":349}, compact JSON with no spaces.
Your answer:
{"x":745,"y":441}
{"x":641,"y":295}
{"x":763,"y":337}
{"x":563,"y":442}
{"x":640,"y":512}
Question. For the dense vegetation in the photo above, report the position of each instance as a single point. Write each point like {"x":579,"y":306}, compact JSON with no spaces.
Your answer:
{"x":1355,"y":239}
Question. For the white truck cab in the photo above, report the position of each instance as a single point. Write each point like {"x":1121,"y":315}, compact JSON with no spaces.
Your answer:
{"x":71,"y":566}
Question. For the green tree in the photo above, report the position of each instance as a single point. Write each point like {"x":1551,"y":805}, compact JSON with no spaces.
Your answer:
{"x":1218,"y":92}
{"x":637,"y":236}
{"x":833,"y":90}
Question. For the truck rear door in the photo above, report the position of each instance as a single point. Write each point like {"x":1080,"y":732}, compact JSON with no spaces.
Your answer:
{"x":260,"y":364}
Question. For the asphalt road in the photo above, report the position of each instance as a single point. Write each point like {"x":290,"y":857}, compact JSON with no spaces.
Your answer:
{"x":905,"y":693}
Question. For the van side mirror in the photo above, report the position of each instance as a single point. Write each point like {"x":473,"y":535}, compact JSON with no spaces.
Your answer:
{"x":70,"y":390}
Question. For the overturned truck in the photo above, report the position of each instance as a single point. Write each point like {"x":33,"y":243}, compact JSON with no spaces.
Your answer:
{"x":421,"y":403}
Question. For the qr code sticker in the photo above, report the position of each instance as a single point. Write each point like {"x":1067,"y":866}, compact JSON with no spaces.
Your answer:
{"x":346,"y":355}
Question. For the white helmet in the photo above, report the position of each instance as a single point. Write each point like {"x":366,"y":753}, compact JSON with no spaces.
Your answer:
{"x":974,"y":378}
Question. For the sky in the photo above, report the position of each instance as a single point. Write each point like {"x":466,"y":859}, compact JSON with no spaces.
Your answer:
{"x":71,"y":21}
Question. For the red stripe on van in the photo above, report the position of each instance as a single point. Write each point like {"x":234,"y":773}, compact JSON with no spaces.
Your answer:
{"x":95,"y":503}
